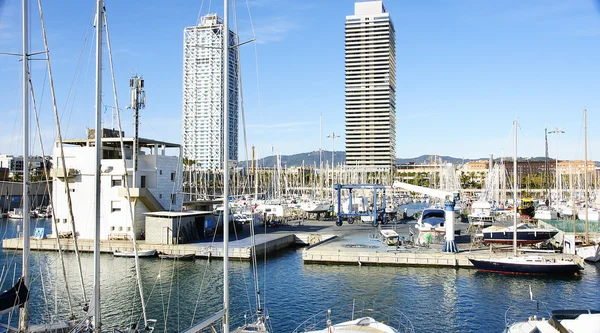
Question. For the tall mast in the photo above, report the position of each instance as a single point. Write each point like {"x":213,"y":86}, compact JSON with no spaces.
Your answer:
{"x":225,"y":166}
{"x":24,"y":313}
{"x":547,"y":168}
{"x":515,"y":190}
{"x":585,"y":175}
{"x":98,"y":144}
{"x":321,"y":153}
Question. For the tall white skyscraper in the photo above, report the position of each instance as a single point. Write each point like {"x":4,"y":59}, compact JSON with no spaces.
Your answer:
{"x":202,"y":125}
{"x":370,"y":87}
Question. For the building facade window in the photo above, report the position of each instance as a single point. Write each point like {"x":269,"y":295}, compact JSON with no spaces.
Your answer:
{"x":115,"y":206}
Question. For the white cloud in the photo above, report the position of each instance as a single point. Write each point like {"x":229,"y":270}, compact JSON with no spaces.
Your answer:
{"x":274,"y":29}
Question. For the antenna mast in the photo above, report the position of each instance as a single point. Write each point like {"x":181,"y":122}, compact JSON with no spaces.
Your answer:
{"x":138,"y":102}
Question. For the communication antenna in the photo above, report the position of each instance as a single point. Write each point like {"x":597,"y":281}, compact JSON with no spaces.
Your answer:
{"x":138,"y":102}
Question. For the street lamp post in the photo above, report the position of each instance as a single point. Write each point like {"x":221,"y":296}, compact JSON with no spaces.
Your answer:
{"x":556,"y":131}
{"x":332,"y":136}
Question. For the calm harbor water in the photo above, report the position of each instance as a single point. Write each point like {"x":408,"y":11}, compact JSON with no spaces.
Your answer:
{"x":179,"y":293}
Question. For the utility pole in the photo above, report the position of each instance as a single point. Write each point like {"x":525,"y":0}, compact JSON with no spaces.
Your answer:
{"x":138,"y":102}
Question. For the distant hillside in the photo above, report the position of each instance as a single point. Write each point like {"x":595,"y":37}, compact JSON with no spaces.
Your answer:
{"x":312,"y":158}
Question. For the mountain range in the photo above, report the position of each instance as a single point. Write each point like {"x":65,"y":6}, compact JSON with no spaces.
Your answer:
{"x":312,"y":159}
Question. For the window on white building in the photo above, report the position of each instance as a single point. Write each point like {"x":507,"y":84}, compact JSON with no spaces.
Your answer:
{"x":116,"y":181}
{"x":115,"y":206}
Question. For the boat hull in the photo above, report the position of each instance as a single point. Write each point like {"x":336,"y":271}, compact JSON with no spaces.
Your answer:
{"x":523,"y":237}
{"x":189,"y":256}
{"x":521,"y":267}
{"x":141,"y":254}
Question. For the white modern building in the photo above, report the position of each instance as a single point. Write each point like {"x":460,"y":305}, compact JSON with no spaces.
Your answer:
{"x":203,"y":94}
{"x":158,"y":182}
{"x":370,"y":87}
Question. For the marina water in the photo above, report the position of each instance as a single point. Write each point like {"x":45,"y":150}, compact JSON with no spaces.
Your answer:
{"x":179,"y":293}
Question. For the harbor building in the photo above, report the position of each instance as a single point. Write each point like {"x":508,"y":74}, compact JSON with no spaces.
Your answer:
{"x":158,"y":179}
{"x":202,"y":123}
{"x":370,"y":87}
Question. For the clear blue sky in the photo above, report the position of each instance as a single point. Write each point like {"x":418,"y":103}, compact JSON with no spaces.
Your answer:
{"x":465,"y":70}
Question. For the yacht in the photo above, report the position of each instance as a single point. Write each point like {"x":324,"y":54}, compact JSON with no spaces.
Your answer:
{"x":543,"y":212}
{"x":432,"y":219}
{"x":481,"y":214}
{"x":575,"y":321}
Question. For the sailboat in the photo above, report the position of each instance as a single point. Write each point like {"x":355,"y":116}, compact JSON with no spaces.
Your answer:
{"x":361,"y":320}
{"x":588,"y":251}
{"x":524,"y":264}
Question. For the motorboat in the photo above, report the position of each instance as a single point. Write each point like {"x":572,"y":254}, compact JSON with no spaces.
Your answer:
{"x":242,"y":218}
{"x":17,"y":213}
{"x":481,"y":214}
{"x":543,"y":212}
{"x":432,"y":219}
{"x":536,"y":265}
{"x":141,"y":253}
{"x":389,"y":237}
{"x":315,"y":207}
{"x":431,"y":226}
{"x":188,"y":256}
{"x":527,"y":208}
{"x":526,"y":234}
{"x":575,"y":321}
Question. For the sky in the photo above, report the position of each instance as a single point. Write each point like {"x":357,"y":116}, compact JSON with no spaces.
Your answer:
{"x":465,"y":70}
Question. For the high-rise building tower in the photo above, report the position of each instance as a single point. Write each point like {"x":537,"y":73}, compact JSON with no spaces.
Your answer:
{"x":202,"y":125}
{"x":370,"y":87}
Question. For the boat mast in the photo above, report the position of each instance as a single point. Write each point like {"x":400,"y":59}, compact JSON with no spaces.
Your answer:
{"x":24,"y":313}
{"x":321,"y":154}
{"x":225,"y":81}
{"x":98,"y":143}
{"x":585,"y":182}
{"x":547,"y":168}
{"x":515,"y":205}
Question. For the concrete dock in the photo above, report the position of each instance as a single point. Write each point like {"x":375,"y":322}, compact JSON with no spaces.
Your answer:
{"x":240,"y":246}
{"x":356,"y":244}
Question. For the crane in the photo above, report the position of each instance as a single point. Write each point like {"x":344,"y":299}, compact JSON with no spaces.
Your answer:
{"x":449,"y":198}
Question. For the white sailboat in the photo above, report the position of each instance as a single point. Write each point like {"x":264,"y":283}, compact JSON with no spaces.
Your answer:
{"x":361,"y":320}
{"x":588,"y":251}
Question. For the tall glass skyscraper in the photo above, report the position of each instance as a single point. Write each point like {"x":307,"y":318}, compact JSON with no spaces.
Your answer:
{"x":202,"y":123}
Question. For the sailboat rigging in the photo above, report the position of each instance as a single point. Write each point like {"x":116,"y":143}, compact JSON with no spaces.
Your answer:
{"x":526,"y":264}
{"x":18,"y":295}
{"x":588,"y":251}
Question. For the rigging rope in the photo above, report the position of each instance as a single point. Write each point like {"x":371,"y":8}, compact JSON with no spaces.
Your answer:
{"x":126,"y":175}
{"x":47,"y":182}
{"x":62,"y":155}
